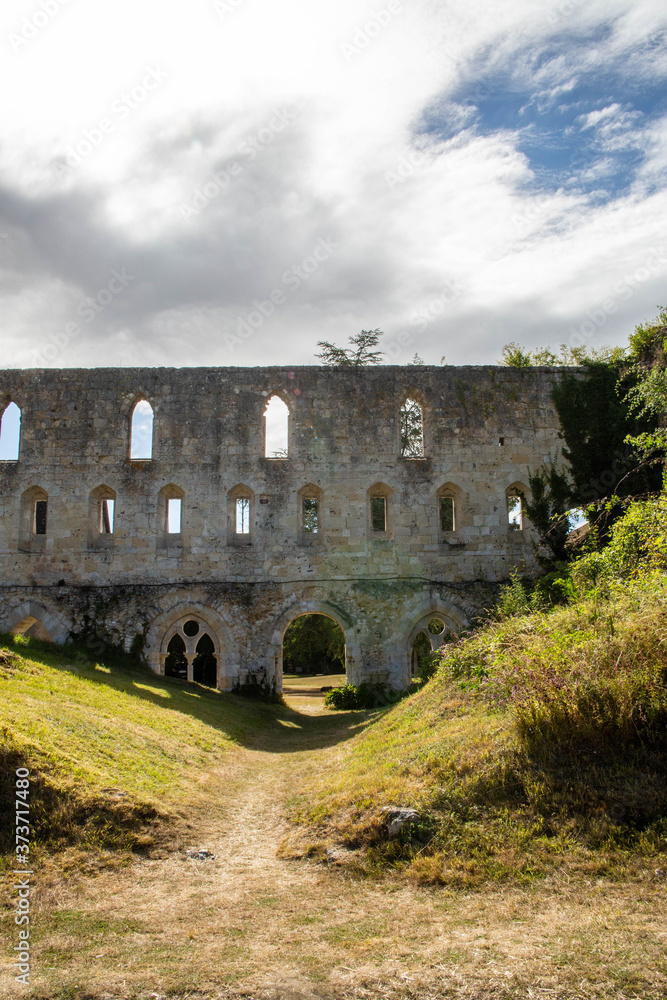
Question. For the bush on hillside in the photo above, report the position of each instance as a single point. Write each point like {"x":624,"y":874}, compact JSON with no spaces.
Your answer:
{"x":366,"y":695}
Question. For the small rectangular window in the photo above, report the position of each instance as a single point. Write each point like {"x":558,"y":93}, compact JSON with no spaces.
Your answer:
{"x":106,"y":517}
{"x":447,"y":513}
{"x":311,"y":514}
{"x":379,"y":513}
{"x":40,"y":517}
{"x":515,"y":513}
{"x":243,"y":516}
{"x":173,"y":516}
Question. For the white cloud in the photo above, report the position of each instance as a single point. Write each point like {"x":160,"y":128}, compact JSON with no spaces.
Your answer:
{"x":277,"y":137}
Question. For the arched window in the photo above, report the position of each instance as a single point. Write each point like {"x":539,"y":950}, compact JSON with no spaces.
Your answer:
{"x":412,"y":429}
{"x":276,"y":416}
{"x":170,"y":510}
{"x":141,"y":432}
{"x":102,"y":516}
{"x":450,"y":510}
{"x":516,"y":506}
{"x":241,"y":499}
{"x":310,"y":512}
{"x":10,"y":434}
{"x":379,"y":510}
{"x":176,"y":663}
{"x":205,"y":663}
{"x":34,"y":518}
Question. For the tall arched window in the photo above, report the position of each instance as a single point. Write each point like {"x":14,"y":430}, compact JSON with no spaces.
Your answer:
{"x":33,"y":519}
{"x":412,"y":429}
{"x":516,"y":514}
{"x":276,"y":417}
{"x":101,"y":516}
{"x":170,"y":510}
{"x":141,"y":432}
{"x":10,"y":434}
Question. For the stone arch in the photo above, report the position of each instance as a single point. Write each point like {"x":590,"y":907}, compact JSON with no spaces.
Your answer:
{"x":274,"y":654}
{"x":25,"y":616}
{"x":170,"y":622}
{"x":412,"y":623}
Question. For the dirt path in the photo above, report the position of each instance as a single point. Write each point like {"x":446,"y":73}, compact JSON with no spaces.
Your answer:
{"x":250,"y":924}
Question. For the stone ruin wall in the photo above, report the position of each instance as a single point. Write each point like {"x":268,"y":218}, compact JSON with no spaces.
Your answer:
{"x":484,"y":428}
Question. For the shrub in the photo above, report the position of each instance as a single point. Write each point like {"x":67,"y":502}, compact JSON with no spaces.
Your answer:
{"x":366,"y":695}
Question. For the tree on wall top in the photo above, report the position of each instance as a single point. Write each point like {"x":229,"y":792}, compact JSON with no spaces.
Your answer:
{"x":356,"y":356}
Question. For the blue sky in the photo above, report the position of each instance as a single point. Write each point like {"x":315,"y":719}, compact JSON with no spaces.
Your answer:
{"x":230,"y":182}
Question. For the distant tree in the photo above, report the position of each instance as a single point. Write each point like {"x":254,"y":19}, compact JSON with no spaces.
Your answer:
{"x":314,"y":644}
{"x":416,"y":360}
{"x":356,"y":356}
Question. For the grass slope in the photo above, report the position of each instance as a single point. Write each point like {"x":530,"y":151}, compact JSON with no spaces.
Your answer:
{"x":539,"y":747}
{"x":113,"y":751}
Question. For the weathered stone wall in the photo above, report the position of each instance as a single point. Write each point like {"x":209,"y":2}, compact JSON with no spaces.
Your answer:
{"x":484,"y":428}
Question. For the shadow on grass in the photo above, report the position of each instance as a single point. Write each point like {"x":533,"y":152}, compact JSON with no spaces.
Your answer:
{"x":258,"y":725}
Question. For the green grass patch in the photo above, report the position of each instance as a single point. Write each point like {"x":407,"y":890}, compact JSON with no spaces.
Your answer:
{"x":540,"y":744}
{"x":113,"y":751}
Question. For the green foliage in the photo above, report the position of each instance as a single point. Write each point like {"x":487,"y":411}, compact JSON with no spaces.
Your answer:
{"x":649,"y":341}
{"x":314,"y":644}
{"x":412,"y":435}
{"x":595,"y":423}
{"x":637,"y":545}
{"x":547,"y":508}
{"x":647,"y":397}
{"x":356,"y":356}
{"x":366,"y":695}
{"x":515,"y":356}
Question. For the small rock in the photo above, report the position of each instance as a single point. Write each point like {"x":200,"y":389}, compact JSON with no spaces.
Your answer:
{"x":396,"y":818}
{"x":339,"y":855}
{"x":201,"y":855}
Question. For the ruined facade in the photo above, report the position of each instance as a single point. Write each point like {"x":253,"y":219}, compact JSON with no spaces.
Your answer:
{"x":377,"y":514}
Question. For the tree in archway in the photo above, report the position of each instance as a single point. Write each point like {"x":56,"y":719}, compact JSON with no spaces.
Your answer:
{"x":314,"y":644}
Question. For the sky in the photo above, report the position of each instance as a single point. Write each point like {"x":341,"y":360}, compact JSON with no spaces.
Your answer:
{"x":228,"y":182}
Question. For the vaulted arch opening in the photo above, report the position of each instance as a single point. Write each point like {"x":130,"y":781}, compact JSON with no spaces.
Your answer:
{"x":32,"y":627}
{"x":313,"y":655}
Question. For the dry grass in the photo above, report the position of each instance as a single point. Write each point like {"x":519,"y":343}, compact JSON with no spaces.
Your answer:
{"x":253,"y":924}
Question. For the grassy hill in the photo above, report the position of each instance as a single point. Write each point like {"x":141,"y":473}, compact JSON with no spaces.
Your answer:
{"x":114,"y":751}
{"x":540,"y":746}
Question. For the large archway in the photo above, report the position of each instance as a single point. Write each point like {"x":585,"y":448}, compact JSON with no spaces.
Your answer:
{"x":34,"y":620}
{"x":313,"y":644}
{"x":311,"y":609}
